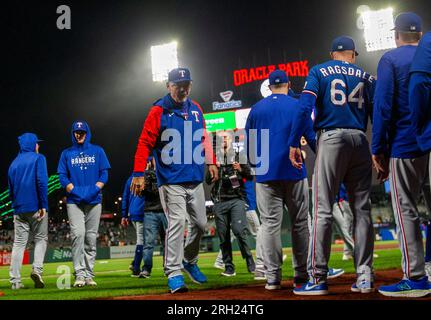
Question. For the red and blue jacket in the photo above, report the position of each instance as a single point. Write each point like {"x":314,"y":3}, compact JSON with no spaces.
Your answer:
{"x":176,"y":136}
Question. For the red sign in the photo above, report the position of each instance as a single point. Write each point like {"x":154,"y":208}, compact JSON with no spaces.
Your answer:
{"x":6,"y":256}
{"x":293,"y":69}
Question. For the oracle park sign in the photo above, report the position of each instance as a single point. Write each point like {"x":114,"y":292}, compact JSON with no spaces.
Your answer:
{"x":247,"y":75}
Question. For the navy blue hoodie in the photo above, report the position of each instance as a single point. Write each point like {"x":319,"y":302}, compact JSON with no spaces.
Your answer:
{"x":83,"y":166}
{"x":28,"y":177}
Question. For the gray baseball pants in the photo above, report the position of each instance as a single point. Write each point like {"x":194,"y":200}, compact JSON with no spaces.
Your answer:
{"x":343,"y":155}
{"x":253,"y":226}
{"x":406,"y":179}
{"x":23,"y":225}
{"x":139,"y":227}
{"x":182,"y":202}
{"x":271,"y":198}
{"x":84,"y":222}
{"x":343,"y":218}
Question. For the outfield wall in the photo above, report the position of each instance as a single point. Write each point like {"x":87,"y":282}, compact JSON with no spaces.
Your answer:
{"x":208,"y":244}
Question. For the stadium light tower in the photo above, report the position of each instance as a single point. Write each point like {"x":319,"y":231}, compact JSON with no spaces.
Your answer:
{"x":264,"y":89}
{"x":378,"y":31}
{"x":163,"y":59}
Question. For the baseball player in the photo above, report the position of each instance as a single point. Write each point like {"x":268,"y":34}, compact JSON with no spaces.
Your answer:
{"x":277,"y":182}
{"x":132,"y":208}
{"x":341,"y":93}
{"x":397,"y":154}
{"x":419,"y":97}
{"x":180,"y":173}
{"x":83,"y":172}
{"x":28,"y":189}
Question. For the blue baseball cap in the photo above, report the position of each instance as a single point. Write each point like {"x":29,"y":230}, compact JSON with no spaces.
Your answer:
{"x":79,"y":126}
{"x":408,"y":22}
{"x":179,"y":74}
{"x":343,"y":43}
{"x":278,"y":77}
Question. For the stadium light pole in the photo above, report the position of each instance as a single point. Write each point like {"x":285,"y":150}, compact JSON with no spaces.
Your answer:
{"x":378,"y":31}
{"x":163,"y":59}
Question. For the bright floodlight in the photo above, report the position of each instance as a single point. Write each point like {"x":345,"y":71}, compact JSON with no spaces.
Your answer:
{"x":264,"y":89}
{"x":163,"y":59}
{"x":377,"y":29}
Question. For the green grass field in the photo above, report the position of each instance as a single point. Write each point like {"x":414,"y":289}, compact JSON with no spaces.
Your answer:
{"x":113,"y":277}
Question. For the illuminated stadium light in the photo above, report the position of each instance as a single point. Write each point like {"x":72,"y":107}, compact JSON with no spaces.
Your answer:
{"x":163,"y":59}
{"x":378,"y":31}
{"x":264,"y":89}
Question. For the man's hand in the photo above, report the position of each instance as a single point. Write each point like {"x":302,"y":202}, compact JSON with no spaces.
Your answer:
{"x":295,"y":157}
{"x":137,"y":185}
{"x":213,"y":172}
{"x":42,"y":213}
{"x":125,"y":222}
{"x":381,"y":165}
{"x":69,"y":187}
{"x":100,"y":184}
{"x":236,"y":166}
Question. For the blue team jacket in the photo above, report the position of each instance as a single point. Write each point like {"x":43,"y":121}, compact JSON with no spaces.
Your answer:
{"x":250,"y":192}
{"x":28,"y":177}
{"x":276,"y":113}
{"x":83,"y":166}
{"x":420,"y":93}
{"x":393,"y":133}
{"x":185,"y":122}
{"x":132,"y":206}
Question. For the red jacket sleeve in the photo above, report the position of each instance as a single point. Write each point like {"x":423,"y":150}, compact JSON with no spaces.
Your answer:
{"x":210,"y":157}
{"x":147,"y":140}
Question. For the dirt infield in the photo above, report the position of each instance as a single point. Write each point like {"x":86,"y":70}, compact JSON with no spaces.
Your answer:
{"x":339,"y":290}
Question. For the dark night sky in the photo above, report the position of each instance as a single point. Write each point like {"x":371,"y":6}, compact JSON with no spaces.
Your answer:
{"x":100,"y":70}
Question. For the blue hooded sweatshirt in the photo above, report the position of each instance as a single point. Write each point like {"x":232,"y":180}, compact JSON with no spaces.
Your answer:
{"x":420,"y":93}
{"x":132,"y":206}
{"x":83,"y":165}
{"x":28,"y":177}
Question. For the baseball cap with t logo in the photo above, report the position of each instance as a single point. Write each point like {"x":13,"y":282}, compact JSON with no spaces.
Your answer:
{"x":179,"y":75}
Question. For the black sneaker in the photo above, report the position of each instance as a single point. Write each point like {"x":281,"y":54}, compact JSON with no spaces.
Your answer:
{"x":229,"y":272}
{"x":251,"y":266}
{"x":135,"y":273}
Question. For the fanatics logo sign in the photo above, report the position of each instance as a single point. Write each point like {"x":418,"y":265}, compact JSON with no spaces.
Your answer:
{"x":226,"y":95}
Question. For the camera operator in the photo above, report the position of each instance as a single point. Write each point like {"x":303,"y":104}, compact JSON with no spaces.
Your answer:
{"x":228,"y":195}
